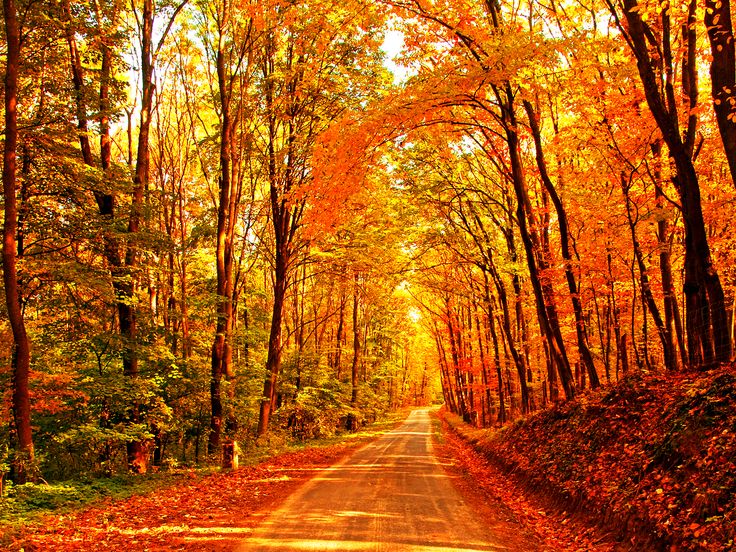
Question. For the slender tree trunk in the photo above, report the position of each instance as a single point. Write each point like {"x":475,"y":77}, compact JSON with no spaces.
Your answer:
{"x":519,"y":361}
{"x":456,"y":369}
{"x":543,"y":292}
{"x":521,"y":325}
{"x":285,"y":216}
{"x":448,"y":389}
{"x":586,"y":357}
{"x":671,"y":309}
{"x":227,"y":212}
{"x":466,"y":328}
{"x":497,"y":361}
{"x":339,"y":337}
{"x":670,"y":359}
{"x":707,"y":319}
{"x":352,"y":421}
{"x":273,"y":360}
{"x":23,"y":464}
{"x":137,"y":449}
{"x":78,"y":82}
{"x":485,"y":398}
{"x":121,"y":281}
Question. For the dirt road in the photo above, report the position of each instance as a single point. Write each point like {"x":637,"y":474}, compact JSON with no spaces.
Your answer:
{"x":392,"y":495}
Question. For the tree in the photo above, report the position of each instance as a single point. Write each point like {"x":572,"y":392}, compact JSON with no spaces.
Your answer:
{"x":707,"y":321}
{"x":303,"y":92}
{"x":21,"y":356}
{"x":122,"y":261}
{"x":718,"y":24}
{"x":234,"y":50}
{"x":586,"y":357}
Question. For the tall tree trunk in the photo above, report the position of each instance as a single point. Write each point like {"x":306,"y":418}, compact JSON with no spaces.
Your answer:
{"x":221,"y":354}
{"x":122,"y":281}
{"x":337,"y":363}
{"x":707,"y":320}
{"x":445,"y":376}
{"x":352,"y":421}
{"x":273,"y":360}
{"x":580,"y":327}
{"x":485,"y":398}
{"x":528,"y":227}
{"x":280,"y":216}
{"x":497,"y":361}
{"x":285,"y":216}
{"x":665,"y":337}
{"x":522,"y":327}
{"x":483,"y":240}
{"x":454,"y":335}
{"x":671,"y":309}
{"x":543,"y":292}
{"x":518,"y":358}
{"x":21,"y":354}
{"x":78,"y":82}
{"x":127,"y":311}
{"x":723,"y":73}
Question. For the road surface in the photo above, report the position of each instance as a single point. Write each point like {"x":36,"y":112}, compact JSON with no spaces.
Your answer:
{"x":391,"y":496}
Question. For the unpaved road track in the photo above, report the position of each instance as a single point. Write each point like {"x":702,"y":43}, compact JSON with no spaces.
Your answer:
{"x":391,"y":496}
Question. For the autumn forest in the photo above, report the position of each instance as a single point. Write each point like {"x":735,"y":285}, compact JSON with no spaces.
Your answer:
{"x":273,"y":219}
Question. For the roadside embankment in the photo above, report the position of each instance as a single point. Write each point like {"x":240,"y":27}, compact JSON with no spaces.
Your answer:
{"x":652,"y":458}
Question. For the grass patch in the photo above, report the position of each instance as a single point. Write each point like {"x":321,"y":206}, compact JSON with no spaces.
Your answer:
{"x":438,"y":435}
{"x":23,"y":504}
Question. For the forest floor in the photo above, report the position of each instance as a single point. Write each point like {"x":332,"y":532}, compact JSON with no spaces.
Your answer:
{"x":211,"y":513}
{"x":494,"y":495}
{"x":651,"y":458}
{"x":216,"y":512}
{"x":189,"y":510}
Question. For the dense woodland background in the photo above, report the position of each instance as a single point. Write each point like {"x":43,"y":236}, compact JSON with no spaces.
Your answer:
{"x":232,"y":221}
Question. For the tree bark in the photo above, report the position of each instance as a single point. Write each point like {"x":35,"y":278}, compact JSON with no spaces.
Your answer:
{"x":671,"y":309}
{"x":543,"y":292}
{"x":447,"y":391}
{"x":723,"y":74}
{"x":665,"y":337}
{"x":352,"y":421}
{"x":462,"y":404}
{"x":485,"y":397}
{"x":505,"y":324}
{"x":707,"y":321}
{"x":337,"y":357}
{"x":285,"y":216}
{"x":280,"y":216}
{"x":23,"y":464}
{"x":227,"y":210}
{"x":580,"y":327}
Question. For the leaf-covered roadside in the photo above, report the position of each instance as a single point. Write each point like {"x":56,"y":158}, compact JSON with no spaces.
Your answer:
{"x":521,"y":519}
{"x":655,"y":455}
{"x":209,"y":513}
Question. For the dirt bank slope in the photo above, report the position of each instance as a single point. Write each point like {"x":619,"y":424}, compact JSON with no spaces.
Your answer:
{"x":653,"y":457}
